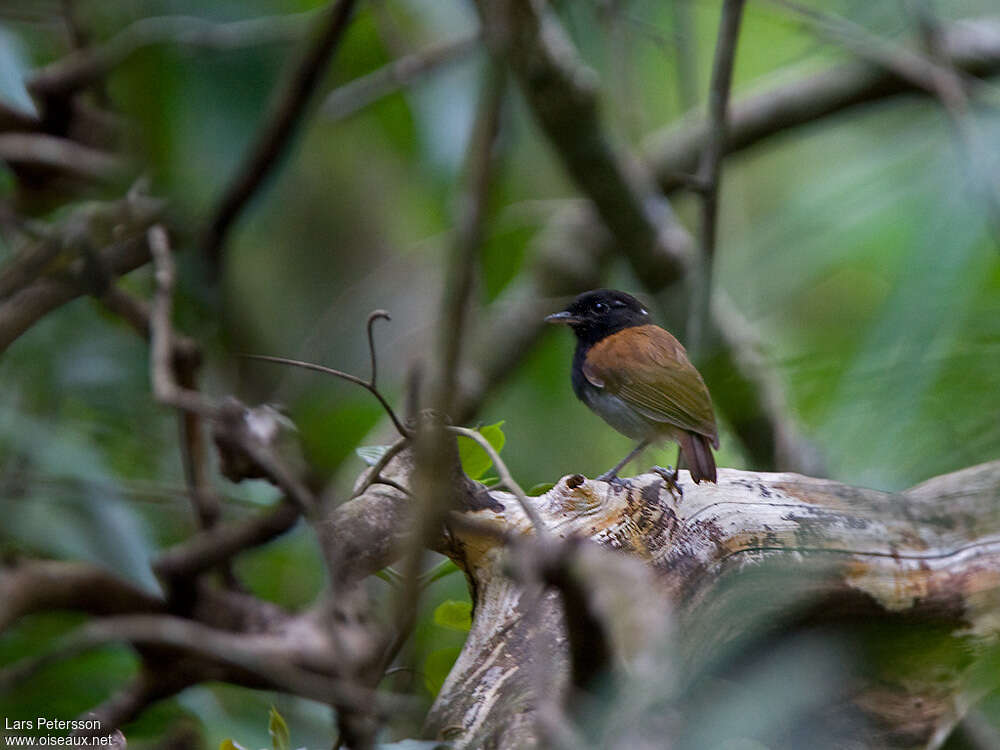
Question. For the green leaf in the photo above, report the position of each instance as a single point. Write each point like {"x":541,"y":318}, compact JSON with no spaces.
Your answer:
{"x":370,"y":454}
{"x":475,"y":461}
{"x":454,"y":615}
{"x":540,"y":489}
{"x":230,"y":744}
{"x":437,"y":666}
{"x":278,"y":729}
{"x":390,"y":575}
{"x":438,"y":572}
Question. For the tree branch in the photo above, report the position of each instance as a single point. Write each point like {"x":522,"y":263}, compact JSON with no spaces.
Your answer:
{"x":218,"y":544}
{"x":60,"y":154}
{"x":563,"y":97}
{"x":275,"y":133}
{"x":973,"y":47}
{"x":841,"y":557}
{"x":399,"y":74}
{"x":90,"y":65}
{"x":710,"y":170}
{"x":42,"y":585}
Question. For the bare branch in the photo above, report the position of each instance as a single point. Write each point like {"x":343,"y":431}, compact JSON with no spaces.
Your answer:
{"x":130,"y":701}
{"x":22,"y":309}
{"x":368,"y":386}
{"x":916,"y":69}
{"x":12,"y":119}
{"x":217,"y":545}
{"x":685,"y":51}
{"x":973,"y":47}
{"x":91,"y":64}
{"x":42,"y":585}
{"x":275,"y":133}
{"x":710,"y":171}
{"x":375,"y":472}
{"x":49,"y":151}
{"x":951,"y":92}
{"x":246,"y":437}
{"x":562,"y":94}
{"x":276,"y":660}
{"x":165,"y":386}
{"x":361,"y":92}
{"x":372,"y":317}
{"x":465,"y":249}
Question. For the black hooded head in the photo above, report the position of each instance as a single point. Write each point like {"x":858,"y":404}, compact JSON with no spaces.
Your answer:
{"x":601,"y":312}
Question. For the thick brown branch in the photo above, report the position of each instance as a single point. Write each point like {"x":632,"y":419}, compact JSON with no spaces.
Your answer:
{"x":42,"y":585}
{"x":806,"y":552}
{"x":563,"y":97}
{"x":217,"y":545}
{"x":23,"y":309}
{"x":27,"y":294}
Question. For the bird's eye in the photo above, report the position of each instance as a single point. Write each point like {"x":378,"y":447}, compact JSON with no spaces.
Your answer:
{"x":600,"y":307}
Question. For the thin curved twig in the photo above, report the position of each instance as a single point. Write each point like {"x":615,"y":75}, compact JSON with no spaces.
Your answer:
{"x":391,"y":452}
{"x":505,"y":477}
{"x":372,"y":317}
{"x":400,"y":427}
{"x":368,"y":385}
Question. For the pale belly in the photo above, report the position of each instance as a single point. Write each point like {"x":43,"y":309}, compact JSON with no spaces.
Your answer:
{"x":623,"y":418}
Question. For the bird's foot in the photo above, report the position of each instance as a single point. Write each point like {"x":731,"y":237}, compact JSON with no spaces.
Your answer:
{"x":611,"y":477}
{"x":669,"y":475}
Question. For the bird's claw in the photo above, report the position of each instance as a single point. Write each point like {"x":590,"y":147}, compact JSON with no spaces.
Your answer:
{"x":611,"y":477}
{"x":669,"y":476}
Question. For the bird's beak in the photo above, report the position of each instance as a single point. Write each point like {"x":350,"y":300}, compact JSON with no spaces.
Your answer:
{"x":563,"y":318}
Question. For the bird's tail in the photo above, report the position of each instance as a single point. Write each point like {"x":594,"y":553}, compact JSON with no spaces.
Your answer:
{"x":698,"y":454}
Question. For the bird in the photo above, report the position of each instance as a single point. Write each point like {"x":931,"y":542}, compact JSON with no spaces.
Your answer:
{"x":637,"y":377}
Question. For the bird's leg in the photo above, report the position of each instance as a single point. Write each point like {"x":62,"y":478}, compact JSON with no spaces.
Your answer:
{"x":670,"y":477}
{"x":612,"y":473}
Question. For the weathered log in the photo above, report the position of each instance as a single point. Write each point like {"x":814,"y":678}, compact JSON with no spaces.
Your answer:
{"x":772,"y":555}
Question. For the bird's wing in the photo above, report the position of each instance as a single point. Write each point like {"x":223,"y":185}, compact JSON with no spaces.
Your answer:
{"x":648,"y":368}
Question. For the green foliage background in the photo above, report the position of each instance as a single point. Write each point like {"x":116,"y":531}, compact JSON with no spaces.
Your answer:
{"x":855,"y":246}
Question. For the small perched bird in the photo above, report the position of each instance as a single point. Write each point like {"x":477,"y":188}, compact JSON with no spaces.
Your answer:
{"x":638,"y":379}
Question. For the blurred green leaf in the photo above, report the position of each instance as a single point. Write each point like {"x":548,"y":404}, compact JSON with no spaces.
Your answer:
{"x":454,"y":615}
{"x":437,"y":665}
{"x":390,"y":575}
{"x":474,"y":459}
{"x":230,"y":744}
{"x":278,"y":729}
{"x":445,"y":568}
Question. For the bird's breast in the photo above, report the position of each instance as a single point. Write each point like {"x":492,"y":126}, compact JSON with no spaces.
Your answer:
{"x":609,"y":407}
